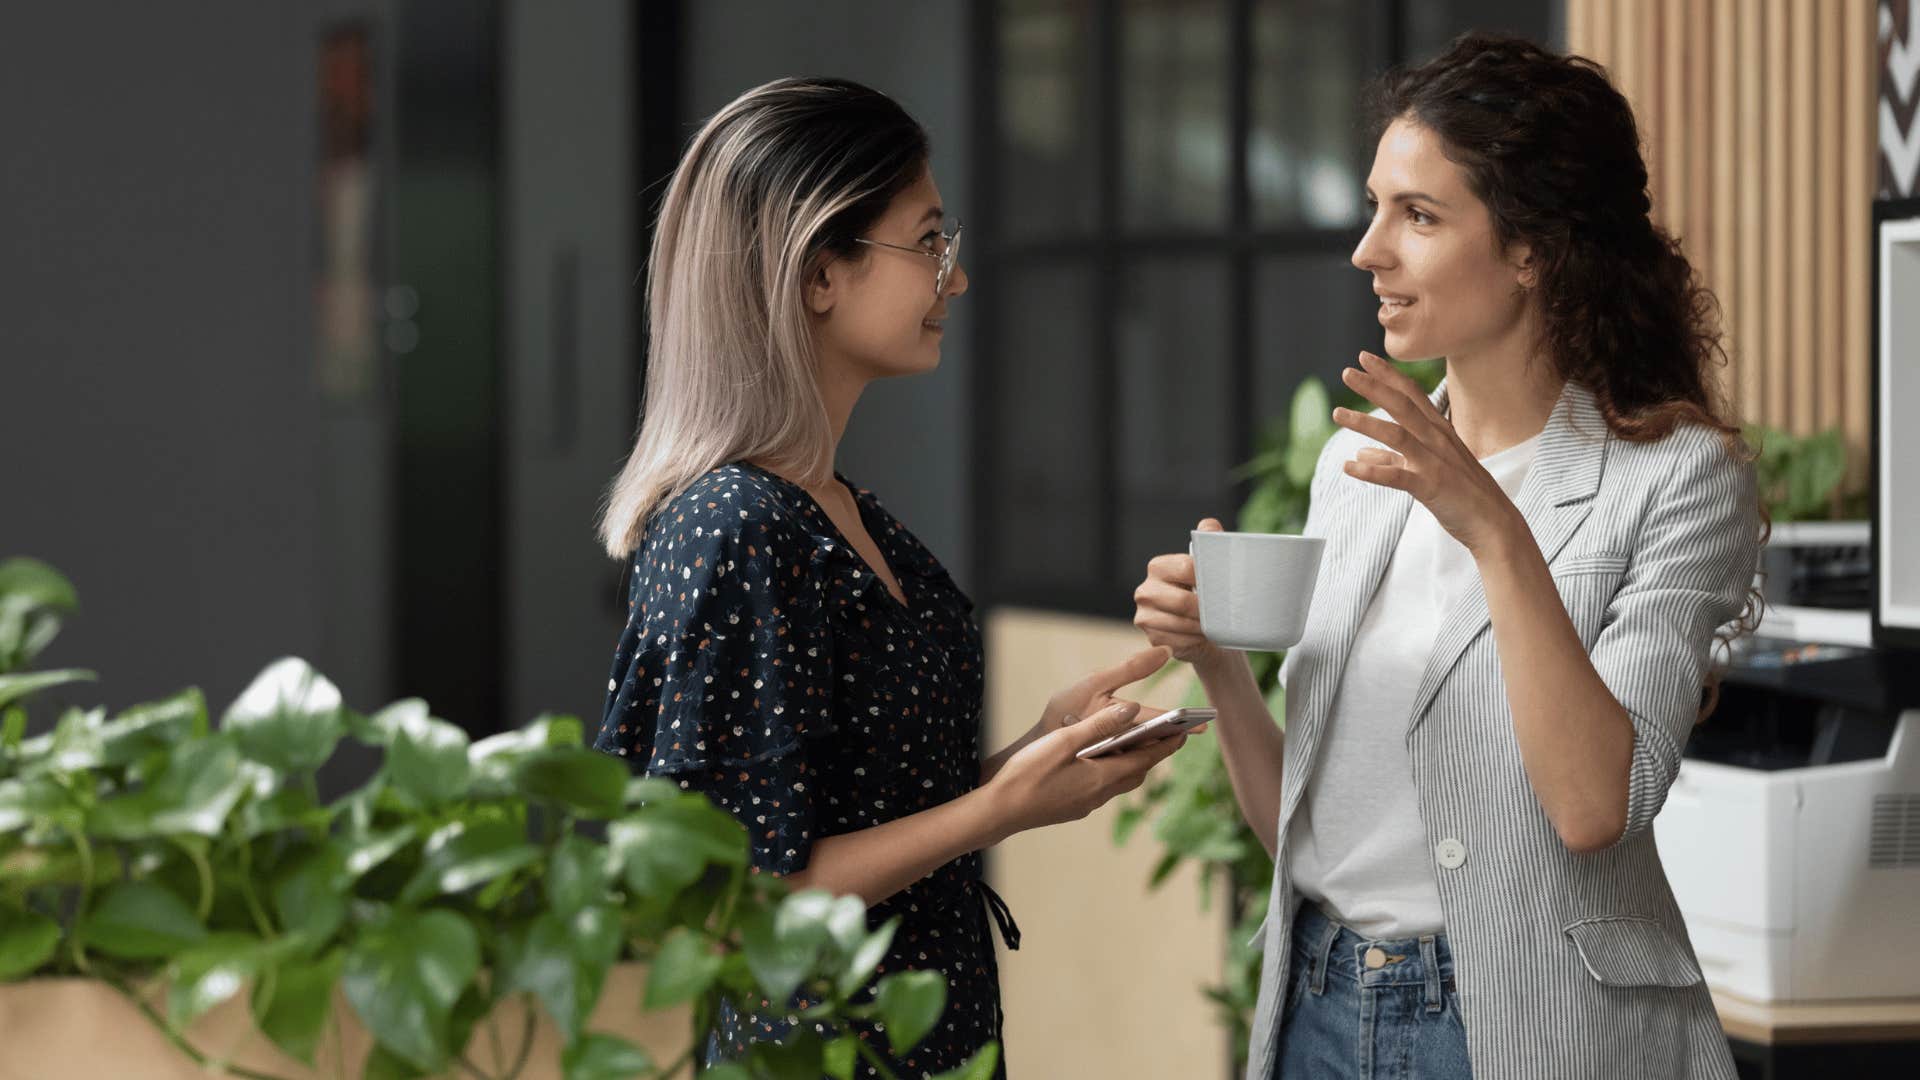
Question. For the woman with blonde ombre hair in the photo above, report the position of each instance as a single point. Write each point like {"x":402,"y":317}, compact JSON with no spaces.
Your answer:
{"x":791,"y":650}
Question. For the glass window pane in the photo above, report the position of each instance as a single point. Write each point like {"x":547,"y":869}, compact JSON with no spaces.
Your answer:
{"x":1306,"y":158}
{"x":1174,"y":113}
{"x":1046,"y":128}
{"x":1046,"y":476}
{"x":1176,"y":430}
{"x":1313,"y":315}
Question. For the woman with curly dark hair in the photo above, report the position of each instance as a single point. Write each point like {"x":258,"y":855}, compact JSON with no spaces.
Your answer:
{"x":1512,"y":634}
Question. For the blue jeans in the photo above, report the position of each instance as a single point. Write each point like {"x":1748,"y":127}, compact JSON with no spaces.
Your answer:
{"x":1345,"y":1020}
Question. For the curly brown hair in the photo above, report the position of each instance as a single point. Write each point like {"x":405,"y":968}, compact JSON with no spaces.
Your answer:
{"x":1553,"y":150}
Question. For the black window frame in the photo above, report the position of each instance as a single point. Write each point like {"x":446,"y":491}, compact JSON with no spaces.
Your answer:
{"x":1109,"y":246}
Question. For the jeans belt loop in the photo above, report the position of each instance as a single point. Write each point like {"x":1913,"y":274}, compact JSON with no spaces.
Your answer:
{"x":1430,"y":957}
{"x":1318,"y":980}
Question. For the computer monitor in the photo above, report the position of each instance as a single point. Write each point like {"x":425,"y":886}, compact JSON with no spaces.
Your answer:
{"x":1896,"y":424}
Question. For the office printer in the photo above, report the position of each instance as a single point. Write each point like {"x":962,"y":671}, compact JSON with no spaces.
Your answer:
{"x":1792,"y":833}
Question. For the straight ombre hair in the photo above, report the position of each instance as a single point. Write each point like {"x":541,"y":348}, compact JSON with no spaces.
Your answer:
{"x":774,"y":186}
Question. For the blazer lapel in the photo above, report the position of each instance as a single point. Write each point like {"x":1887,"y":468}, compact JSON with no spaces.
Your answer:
{"x":1555,"y":498}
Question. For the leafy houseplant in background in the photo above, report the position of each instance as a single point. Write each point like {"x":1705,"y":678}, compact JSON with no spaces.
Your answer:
{"x":1801,"y":479}
{"x":1190,"y":804}
{"x":183,"y":866}
{"x":1800,"y":476}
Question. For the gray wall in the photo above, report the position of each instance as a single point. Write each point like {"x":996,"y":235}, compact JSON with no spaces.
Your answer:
{"x":909,"y":439}
{"x":161,"y":428}
{"x":172,"y":452}
{"x":569,"y":288}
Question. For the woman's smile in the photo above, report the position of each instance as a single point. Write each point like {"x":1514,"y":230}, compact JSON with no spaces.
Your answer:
{"x":1392,"y":305}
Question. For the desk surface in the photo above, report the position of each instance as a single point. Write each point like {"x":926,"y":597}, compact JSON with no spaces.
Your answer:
{"x":1786,"y":1023}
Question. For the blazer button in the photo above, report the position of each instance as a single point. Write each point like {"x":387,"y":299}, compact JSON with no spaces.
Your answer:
{"x":1450,"y":853}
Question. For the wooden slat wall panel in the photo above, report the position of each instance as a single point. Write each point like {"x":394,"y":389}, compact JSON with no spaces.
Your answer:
{"x":1829,"y":95}
{"x":1859,"y":87}
{"x":1757,"y":117}
{"x":1750,"y":308}
{"x":1628,"y":55}
{"x":1723,"y":245}
{"x":1697,"y":66}
{"x":1802,"y":207}
{"x":1669,"y":99}
{"x":1772,"y":347}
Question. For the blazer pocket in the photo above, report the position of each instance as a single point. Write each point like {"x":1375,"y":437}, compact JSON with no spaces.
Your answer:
{"x":1629,"y":950}
{"x":1593,"y":563}
{"x":1587,"y":584}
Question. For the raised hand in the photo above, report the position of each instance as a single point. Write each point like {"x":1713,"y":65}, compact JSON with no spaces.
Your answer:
{"x":1424,"y":456}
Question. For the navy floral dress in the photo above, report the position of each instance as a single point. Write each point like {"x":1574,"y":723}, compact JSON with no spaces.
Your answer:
{"x":766,"y":665}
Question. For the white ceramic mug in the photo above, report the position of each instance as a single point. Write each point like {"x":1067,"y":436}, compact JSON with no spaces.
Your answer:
{"x":1255,"y":588}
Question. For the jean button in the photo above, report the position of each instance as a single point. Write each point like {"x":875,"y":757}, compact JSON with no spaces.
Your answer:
{"x":1376,"y":958}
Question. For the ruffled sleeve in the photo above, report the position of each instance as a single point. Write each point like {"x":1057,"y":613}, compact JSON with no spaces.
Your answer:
{"x":727,"y":663}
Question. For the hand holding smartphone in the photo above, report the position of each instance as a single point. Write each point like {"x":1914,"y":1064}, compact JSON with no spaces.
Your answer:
{"x":1164,"y":726}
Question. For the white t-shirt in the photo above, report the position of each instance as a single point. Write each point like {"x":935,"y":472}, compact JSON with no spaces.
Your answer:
{"x":1357,"y":844}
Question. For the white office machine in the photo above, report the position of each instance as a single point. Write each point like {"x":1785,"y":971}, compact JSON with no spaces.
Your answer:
{"x":1792,"y":834}
{"x":1801,"y":883}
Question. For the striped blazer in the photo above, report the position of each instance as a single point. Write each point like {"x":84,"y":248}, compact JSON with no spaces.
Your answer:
{"x":1567,"y":965}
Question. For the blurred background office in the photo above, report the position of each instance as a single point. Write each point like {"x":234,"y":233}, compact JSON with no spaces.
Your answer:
{"x":322,"y":330}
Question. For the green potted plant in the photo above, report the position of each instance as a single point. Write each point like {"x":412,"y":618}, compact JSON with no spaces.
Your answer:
{"x":183,"y":864}
{"x":1800,"y":476}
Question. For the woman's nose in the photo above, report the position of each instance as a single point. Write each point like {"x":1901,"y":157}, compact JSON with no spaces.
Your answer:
{"x":1370,"y":253}
{"x":957,"y":281}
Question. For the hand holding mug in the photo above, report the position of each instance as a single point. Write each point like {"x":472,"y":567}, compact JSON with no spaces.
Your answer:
{"x":1235,"y":590}
{"x":1167,"y":609}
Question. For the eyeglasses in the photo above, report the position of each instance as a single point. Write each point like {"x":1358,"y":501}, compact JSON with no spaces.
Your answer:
{"x":948,"y":251}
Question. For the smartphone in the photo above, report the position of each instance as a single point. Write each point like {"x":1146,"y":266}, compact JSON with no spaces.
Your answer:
{"x":1166,"y":725}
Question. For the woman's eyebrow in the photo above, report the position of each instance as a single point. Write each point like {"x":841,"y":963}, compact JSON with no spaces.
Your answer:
{"x":1413,"y":196}
{"x":934,"y":214}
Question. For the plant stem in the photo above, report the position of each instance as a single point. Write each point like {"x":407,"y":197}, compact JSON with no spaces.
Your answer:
{"x":259,"y":914}
{"x":85,"y":850}
{"x":726,"y":906}
{"x":493,"y":1039}
{"x":526,"y":1040}
{"x":205,"y":868}
{"x":180,"y":1041}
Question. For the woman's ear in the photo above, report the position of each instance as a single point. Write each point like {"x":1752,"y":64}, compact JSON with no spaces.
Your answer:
{"x":1526,"y":272}
{"x":823,"y":286}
